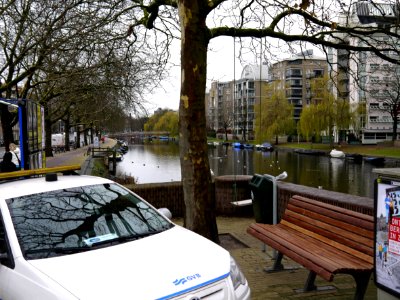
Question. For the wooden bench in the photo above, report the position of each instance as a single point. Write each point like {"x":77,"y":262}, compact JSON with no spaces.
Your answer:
{"x":324,"y":238}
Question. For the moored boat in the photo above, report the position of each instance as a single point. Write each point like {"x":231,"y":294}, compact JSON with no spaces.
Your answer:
{"x":357,"y":158}
{"x":265,"y":147}
{"x":309,"y":151}
{"x":375,"y":160}
{"x":248,"y":146}
{"x":337,"y":153}
{"x":237,"y":145}
{"x":118,"y":156}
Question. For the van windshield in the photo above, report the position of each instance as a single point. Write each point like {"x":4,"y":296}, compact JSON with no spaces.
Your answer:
{"x":80,"y":219}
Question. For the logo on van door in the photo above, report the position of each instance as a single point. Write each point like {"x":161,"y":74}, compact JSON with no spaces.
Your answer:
{"x":186,"y":279}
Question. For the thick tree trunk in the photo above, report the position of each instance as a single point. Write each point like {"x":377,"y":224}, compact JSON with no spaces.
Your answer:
{"x":196,"y":177}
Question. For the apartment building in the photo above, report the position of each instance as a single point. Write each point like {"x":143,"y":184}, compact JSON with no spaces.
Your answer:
{"x":249,"y":90}
{"x":230,"y":105}
{"x":294,"y":75}
{"x":369,"y":83}
{"x":219,"y":106}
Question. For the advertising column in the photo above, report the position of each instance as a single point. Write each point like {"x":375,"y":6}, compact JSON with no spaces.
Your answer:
{"x":387,"y":233}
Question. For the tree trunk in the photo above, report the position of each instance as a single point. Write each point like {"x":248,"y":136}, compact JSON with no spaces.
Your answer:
{"x":67,"y":126}
{"x":196,"y":177}
{"x":78,"y":137}
{"x":395,"y":122}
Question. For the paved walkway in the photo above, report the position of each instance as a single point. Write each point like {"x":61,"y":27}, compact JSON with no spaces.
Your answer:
{"x":77,"y":156}
{"x":249,"y":253}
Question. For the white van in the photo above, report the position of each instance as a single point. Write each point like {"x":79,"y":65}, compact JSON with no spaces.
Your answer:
{"x":84,"y":237}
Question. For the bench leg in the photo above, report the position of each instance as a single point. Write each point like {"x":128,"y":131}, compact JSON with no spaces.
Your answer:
{"x":278,"y":262}
{"x":362,"y":281}
{"x":309,"y":285}
{"x":278,"y":266}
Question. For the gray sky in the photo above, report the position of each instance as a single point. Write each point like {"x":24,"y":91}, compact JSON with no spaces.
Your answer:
{"x":220,"y":68}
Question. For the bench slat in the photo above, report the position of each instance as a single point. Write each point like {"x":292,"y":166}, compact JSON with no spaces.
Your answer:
{"x":362,"y":228}
{"x":333,"y":233}
{"x":360,"y":218}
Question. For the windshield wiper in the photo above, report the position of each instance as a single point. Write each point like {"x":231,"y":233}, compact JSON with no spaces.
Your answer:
{"x":57,"y":250}
{"x":71,"y":250}
{"x":127,"y":238}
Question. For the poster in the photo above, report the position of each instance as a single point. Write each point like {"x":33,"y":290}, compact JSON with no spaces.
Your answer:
{"x":387,"y":235}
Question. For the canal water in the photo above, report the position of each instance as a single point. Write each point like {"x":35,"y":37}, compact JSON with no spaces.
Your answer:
{"x":150,"y":163}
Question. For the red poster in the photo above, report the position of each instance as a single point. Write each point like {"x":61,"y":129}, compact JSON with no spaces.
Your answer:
{"x":394,"y":235}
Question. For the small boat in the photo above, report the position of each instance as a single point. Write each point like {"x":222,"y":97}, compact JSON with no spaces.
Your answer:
{"x":355,"y":157}
{"x":213,"y":144}
{"x":238,"y":145}
{"x":309,"y":151}
{"x":337,"y":154}
{"x":374,"y":160}
{"x":123,"y":149}
{"x":265,"y":147}
{"x":118,"y":156}
{"x":248,"y":146}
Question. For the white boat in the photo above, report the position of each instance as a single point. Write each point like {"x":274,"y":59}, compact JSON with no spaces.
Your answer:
{"x":337,"y":153}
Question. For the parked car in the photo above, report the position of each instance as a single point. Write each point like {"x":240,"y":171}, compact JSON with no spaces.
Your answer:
{"x":85,"y":237}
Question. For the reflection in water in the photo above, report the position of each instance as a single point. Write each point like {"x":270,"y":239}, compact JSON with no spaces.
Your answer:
{"x":160,"y":163}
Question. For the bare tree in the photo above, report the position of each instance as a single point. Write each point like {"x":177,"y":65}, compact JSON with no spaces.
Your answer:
{"x":226,"y":115}
{"x":73,"y":54}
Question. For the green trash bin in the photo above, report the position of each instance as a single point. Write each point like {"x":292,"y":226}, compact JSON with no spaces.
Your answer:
{"x":262,"y":194}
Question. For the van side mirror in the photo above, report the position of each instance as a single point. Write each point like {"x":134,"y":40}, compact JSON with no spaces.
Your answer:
{"x":165,"y":212}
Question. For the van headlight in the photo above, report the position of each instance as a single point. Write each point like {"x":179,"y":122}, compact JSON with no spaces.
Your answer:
{"x":236,"y":274}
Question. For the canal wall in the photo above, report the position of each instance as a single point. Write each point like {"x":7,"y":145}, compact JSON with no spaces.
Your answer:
{"x":231,"y":188}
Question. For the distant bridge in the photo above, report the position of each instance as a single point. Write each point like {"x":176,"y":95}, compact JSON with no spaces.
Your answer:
{"x":139,"y":134}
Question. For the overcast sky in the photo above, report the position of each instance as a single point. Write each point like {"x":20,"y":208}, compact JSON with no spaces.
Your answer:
{"x":220,"y":67}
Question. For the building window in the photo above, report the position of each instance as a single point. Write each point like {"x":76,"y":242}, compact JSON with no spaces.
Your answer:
{"x":374,"y":92}
{"x":374,"y":79}
{"x":293,"y":73}
{"x":374,"y":67}
{"x":374,"y":105}
{"x":373,"y":119}
{"x":318,"y":73}
{"x":369,"y":136}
